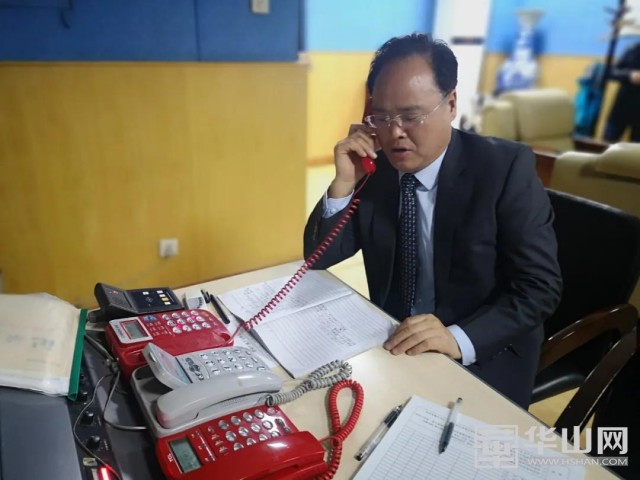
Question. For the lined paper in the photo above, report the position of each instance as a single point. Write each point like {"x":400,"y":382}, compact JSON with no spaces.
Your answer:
{"x":409,"y":451}
{"x":321,"y":320}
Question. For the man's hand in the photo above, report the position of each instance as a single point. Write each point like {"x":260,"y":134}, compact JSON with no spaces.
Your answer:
{"x":347,"y":154}
{"x":423,"y":333}
{"x":634,"y":77}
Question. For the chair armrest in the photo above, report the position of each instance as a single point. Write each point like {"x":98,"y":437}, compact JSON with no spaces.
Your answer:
{"x":588,"y":144}
{"x":622,"y":318}
{"x":584,"y":403}
{"x":545,"y":159}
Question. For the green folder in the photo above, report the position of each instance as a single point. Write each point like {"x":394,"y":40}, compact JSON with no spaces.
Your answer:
{"x":74,"y":378}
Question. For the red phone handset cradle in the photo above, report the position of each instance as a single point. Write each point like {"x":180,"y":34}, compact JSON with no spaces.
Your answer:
{"x":368,"y":165}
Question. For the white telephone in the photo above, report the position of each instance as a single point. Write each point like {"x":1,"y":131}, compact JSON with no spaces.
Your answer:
{"x":208,"y":383}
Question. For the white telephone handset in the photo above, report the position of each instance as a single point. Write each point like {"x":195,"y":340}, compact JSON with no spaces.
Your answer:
{"x":209,"y":383}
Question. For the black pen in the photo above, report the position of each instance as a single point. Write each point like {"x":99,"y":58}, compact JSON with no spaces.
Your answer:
{"x":448,"y":426}
{"x":216,"y":305}
{"x":378,"y":433}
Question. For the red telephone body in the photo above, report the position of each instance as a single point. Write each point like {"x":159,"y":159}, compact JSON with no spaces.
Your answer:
{"x":368,"y":165}
{"x":251,"y":444}
{"x":177,"y":332}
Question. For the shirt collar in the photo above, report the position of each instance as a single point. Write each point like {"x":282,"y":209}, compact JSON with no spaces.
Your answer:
{"x":428,"y":176}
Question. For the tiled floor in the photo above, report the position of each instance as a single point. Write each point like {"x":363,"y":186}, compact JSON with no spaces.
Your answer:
{"x":351,"y":272}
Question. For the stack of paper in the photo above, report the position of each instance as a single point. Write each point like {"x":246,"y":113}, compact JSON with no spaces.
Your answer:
{"x":319,"y":321}
{"x":477,"y":451}
{"x":40,"y":342}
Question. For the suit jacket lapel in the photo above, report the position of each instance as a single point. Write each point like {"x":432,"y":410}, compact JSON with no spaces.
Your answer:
{"x":384,"y":223}
{"x":451,"y":202}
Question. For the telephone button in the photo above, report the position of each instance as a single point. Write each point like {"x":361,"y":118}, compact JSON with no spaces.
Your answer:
{"x":286,"y":429}
{"x":180,"y":321}
{"x":247,"y":416}
{"x":149,"y":318}
{"x":237,"y":446}
{"x":186,"y":328}
{"x":238,"y":366}
{"x":248,"y":365}
{"x":255,"y":428}
{"x":275,"y":434}
{"x":206,"y":325}
{"x":251,"y":441}
{"x":185,"y":314}
{"x":166,"y":316}
{"x":231,"y":436}
{"x":235,"y":420}
{"x":258,"y":413}
{"x":243,"y":432}
{"x":226,"y":369}
{"x":199,"y":318}
{"x":215,"y":371}
{"x":171,"y":323}
{"x":196,"y":327}
{"x":204,"y":356}
{"x":190,"y":320}
{"x":280,"y":422}
{"x":267,"y":424}
{"x":176,"y":330}
{"x":271,"y":411}
{"x":262,"y":437}
{"x":175,"y":315}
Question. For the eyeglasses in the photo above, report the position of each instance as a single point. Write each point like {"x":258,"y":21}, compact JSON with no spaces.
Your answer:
{"x":405,"y":121}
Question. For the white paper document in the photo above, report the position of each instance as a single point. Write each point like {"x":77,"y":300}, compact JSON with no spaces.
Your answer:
{"x":409,"y":451}
{"x":319,"y":321}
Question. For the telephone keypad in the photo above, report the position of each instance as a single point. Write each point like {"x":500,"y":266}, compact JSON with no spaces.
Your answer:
{"x":206,"y":364}
{"x":239,"y":430}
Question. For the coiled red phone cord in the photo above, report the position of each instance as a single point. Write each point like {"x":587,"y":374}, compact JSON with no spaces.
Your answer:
{"x":338,"y":432}
{"x":308,"y":263}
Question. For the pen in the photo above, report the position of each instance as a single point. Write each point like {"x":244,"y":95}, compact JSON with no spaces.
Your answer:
{"x":216,"y":305}
{"x":378,"y":433}
{"x":448,"y":426}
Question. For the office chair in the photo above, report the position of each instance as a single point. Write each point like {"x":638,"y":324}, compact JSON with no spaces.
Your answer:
{"x":591,"y":335}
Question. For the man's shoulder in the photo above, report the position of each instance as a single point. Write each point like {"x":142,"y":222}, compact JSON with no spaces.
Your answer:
{"x":487,"y":152}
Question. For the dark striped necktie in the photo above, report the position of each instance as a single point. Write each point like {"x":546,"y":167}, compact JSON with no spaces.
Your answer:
{"x":408,"y":243}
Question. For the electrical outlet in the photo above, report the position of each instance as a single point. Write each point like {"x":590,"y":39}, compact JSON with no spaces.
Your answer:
{"x":260,"y":6}
{"x":168,"y":247}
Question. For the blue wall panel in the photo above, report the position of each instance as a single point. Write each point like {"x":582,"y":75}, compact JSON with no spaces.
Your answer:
{"x":363,"y":25}
{"x":163,"y":30}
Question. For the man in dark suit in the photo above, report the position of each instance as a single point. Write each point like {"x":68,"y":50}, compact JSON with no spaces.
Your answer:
{"x":485,"y":275}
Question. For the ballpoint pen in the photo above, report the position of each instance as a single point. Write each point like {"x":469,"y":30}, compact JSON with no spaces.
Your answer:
{"x":218,"y":307}
{"x":378,"y":433}
{"x":448,"y":426}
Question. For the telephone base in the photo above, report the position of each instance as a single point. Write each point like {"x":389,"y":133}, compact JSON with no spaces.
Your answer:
{"x":147,"y":389}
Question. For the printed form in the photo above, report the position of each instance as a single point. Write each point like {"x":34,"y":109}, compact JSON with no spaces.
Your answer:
{"x":477,"y":451}
{"x":319,"y":321}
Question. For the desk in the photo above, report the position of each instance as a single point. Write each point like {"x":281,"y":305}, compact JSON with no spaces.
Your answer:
{"x":389,"y":381}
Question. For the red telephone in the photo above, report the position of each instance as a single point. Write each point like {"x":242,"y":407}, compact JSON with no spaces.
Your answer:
{"x":177,"y":332}
{"x":259,"y":442}
{"x":368,"y":165}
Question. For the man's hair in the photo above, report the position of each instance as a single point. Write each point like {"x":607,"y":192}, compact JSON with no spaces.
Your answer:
{"x":436,"y":52}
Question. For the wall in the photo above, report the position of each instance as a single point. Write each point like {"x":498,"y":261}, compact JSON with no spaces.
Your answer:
{"x":99,"y":159}
{"x":162,"y":30}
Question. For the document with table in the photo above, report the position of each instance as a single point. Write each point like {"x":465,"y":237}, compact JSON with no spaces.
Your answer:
{"x":319,"y":321}
{"x":477,"y":451}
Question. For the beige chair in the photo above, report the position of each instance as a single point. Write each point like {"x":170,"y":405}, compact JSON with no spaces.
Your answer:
{"x":540,"y":117}
{"x":611,"y":177}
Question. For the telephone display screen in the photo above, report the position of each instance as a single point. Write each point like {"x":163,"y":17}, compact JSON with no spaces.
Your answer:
{"x":134,"y":330}
{"x":185,"y":455}
{"x":146,"y":299}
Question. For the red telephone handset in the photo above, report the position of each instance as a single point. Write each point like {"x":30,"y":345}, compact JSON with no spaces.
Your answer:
{"x":368,"y":165}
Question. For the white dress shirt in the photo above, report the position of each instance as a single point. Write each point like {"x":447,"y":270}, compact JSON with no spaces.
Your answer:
{"x":425,"y":287}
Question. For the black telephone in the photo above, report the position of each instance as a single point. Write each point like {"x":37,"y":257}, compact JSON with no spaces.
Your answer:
{"x":118,"y":303}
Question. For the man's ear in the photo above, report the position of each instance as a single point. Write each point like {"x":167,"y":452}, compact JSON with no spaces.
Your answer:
{"x":452,"y":103}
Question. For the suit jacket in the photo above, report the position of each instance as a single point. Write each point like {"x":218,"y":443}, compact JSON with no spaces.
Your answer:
{"x":495,"y":266}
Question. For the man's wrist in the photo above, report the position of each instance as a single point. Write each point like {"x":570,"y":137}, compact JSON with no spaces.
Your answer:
{"x":340,"y":189}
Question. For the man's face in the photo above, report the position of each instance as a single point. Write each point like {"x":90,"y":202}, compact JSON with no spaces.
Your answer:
{"x":408,"y":87}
